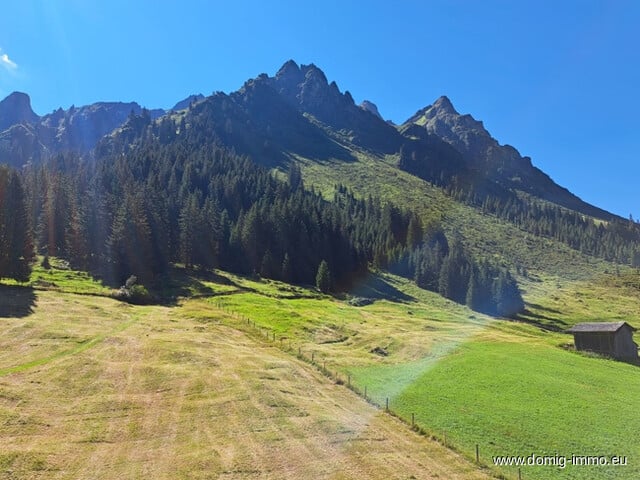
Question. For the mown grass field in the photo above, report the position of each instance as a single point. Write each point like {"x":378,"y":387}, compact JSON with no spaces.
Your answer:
{"x":210,"y":385}
{"x":94,"y":388}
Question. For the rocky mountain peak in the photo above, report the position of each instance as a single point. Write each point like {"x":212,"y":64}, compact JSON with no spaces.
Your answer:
{"x":290,"y":68}
{"x":371,"y":108}
{"x":16,"y":109}
{"x":444,"y":105}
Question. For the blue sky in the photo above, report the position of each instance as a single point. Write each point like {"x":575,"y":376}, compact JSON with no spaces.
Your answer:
{"x":558,"y":82}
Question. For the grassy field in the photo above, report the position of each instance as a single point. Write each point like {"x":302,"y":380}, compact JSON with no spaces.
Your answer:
{"x":508,"y":386}
{"x":519,"y":398}
{"x":94,"y":388}
{"x":211,"y":386}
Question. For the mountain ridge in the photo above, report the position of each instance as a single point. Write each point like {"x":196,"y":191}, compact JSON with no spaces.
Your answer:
{"x":296,"y":113}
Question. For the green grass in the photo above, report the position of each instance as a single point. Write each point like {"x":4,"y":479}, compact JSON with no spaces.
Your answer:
{"x":62,"y":278}
{"x":507,"y":386}
{"x":519,"y":398}
{"x":561,"y":303}
{"x":485,"y":235}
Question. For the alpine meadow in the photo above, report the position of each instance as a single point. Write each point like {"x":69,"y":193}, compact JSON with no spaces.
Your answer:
{"x":277,"y":283}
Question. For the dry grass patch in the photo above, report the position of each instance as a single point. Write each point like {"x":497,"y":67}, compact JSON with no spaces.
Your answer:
{"x":173,"y":397}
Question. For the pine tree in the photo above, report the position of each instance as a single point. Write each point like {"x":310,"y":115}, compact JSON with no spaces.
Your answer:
{"x":323,"y":277}
{"x":266,"y":266}
{"x":287,"y":272}
{"x":472,"y":292}
{"x":16,"y":247}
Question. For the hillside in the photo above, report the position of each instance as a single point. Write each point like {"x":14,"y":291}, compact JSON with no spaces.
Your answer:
{"x":298,"y":118}
{"x":277,"y":283}
{"x":93,"y":388}
{"x":252,"y":378}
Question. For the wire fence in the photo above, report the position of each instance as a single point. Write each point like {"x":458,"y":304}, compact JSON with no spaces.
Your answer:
{"x":383,"y":403}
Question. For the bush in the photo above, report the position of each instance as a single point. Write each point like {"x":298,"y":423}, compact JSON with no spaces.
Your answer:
{"x":133,"y":293}
{"x":140,"y":295}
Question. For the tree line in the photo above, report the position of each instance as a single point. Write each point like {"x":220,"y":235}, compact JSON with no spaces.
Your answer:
{"x":614,"y":240}
{"x":201,"y":205}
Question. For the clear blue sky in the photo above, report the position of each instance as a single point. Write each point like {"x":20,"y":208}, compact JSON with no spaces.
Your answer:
{"x":557,"y":80}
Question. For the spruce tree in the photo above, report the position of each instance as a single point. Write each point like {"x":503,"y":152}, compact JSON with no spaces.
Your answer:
{"x":287,"y":272}
{"x":16,"y":248}
{"x":323,"y":277}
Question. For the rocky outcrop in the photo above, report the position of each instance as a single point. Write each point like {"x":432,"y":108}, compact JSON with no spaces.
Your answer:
{"x":187,"y":102}
{"x":15,"y":110}
{"x":371,"y":108}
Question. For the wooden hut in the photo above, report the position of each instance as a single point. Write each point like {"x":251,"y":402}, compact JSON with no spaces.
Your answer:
{"x":613,"y":339}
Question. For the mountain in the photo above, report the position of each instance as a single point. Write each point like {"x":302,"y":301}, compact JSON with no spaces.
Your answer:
{"x":26,"y":137}
{"x":16,"y":109}
{"x":297,"y":113}
{"x":488,"y":159}
{"x":371,"y":108}
{"x":183,"y":104}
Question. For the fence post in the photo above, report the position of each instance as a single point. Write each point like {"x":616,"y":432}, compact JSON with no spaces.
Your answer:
{"x":477,"y":453}
{"x":519,"y":474}
{"x":365,"y":392}
{"x":313,"y":355}
{"x":349,"y":380}
{"x":413,"y":419}
{"x":387,"y":403}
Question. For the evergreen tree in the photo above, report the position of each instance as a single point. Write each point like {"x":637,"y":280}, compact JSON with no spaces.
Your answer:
{"x":286,"y":269}
{"x":472,"y":299}
{"x":266,"y":267}
{"x":16,"y":248}
{"x":323,"y":277}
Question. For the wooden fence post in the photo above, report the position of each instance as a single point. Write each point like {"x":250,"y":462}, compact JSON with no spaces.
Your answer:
{"x":477,"y":453}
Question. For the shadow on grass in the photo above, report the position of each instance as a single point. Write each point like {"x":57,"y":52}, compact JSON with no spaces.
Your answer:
{"x":377,"y":288}
{"x":184,"y":282}
{"x":541,"y":321}
{"x":16,"y":302}
{"x":544,"y":309}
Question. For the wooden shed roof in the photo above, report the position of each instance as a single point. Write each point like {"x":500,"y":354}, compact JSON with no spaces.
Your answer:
{"x":598,"y":327}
